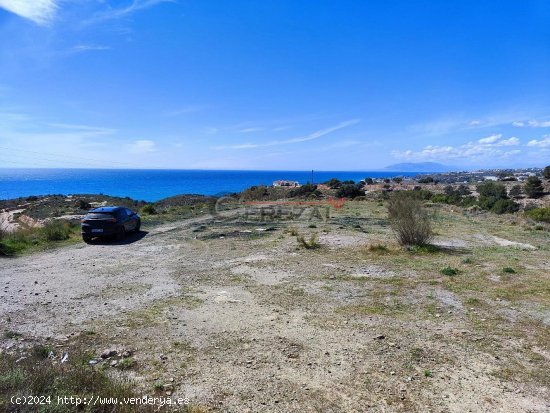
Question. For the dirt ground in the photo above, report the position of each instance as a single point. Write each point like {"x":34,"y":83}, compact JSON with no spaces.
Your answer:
{"x":237,"y":316}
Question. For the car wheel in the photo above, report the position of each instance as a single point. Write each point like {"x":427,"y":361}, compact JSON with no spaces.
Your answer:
{"x":138,"y":226}
{"x":87,"y":239}
{"x":121,"y":233}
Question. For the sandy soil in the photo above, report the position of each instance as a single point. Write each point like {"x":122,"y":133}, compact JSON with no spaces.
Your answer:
{"x":241,"y":320}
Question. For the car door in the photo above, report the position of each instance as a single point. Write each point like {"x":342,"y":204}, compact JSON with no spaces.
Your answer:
{"x":132,"y":222}
{"x":123,"y":218}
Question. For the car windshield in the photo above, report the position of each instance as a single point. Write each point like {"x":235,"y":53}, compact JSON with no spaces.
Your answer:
{"x":98,"y":215}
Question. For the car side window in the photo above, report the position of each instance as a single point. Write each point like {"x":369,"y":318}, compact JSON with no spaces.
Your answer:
{"x":128,"y":212}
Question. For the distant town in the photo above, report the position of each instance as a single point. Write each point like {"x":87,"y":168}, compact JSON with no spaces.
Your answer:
{"x":459,"y":177}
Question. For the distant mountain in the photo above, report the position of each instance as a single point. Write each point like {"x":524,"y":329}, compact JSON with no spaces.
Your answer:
{"x":419,"y":167}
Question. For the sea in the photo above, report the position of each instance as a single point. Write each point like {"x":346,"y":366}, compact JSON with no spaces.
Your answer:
{"x":154,"y":184}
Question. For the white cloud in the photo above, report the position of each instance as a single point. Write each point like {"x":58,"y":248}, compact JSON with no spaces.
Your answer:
{"x":142,"y":146}
{"x":115,"y":13}
{"x":250,"y":130}
{"x":88,"y":47}
{"x":485,"y":148}
{"x":490,"y":139}
{"x":311,"y":136}
{"x":543,"y":143}
{"x":513,"y":141}
{"x":532,"y":124}
{"x":39,"y":11}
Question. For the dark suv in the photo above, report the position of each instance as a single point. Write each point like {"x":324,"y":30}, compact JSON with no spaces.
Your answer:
{"x":108,"y":222}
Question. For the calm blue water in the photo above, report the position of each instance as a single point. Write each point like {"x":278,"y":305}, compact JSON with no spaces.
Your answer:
{"x":152,"y":185}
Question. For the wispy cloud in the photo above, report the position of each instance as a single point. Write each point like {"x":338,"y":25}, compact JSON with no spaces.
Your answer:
{"x":310,"y":137}
{"x":88,"y":47}
{"x":41,"y":12}
{"x":532,"y":124}
{"x":184,"y":110}
{"x":142,"y":146}
{"x":250,"y":130}
{"x":484,"y":148}
{"x":542,"y":143}
{"x":116,"y":13}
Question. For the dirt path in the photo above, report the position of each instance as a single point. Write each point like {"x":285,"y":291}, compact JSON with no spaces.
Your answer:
{"x":242,"y":320}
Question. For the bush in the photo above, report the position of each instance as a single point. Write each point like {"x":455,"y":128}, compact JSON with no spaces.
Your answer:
{"x":333,"y":183}
{"x":493,"y":197}
{"x":426,"y":180}
{"x":378,"y":248}
{"x":546,"y":172}
{"x":149,"y":209}
{"x":463,"y":190}
{"x":349,"y":191}
{"x":57,"y":230}
{"x":409,"y":219}
{"x":492,"y":190}
{"x":307,"y":190}
{"x":311,"y":244}
{"x":508,"y":270}
{"x":533,"y":187}
{"x":516,"y":191}
{"x":36,"y":375}
{"x":503,"y":206}
{"x":539,"y":214}
{"x":449,"y":271}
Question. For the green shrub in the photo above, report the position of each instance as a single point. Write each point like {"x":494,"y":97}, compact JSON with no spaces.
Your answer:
{"x":516,"y":191}
{"x":493,"y":197}
{"x":409,"y":219}
{"x":310,"y":244}
{"x":306,"y":191}
{"x":56,"y":230}
{"x":546,"y":172}
{"x":378,"y":248}
{"x":441,"y":199}
{"x":539,"y":214}
{"x":333,"y":183}
{"x":149,"y":209}
{"x":449,"y":271}
{"x":36,"y":375}
{"x":502,"y":206}
{"x":508,"y":270}
{"x":533,"y":187}
{"x":492,"y":189}
{"x":349,"y":191}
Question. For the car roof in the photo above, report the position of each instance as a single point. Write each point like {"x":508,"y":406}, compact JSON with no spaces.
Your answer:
{"x":107,"y":209}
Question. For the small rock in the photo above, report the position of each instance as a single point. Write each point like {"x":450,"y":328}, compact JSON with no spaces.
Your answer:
{"x":108,"y":353}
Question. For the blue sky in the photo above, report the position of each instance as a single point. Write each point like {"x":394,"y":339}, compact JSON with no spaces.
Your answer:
{"x":274,"y":84}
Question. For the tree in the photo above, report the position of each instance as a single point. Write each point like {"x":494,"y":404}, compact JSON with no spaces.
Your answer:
{"x":463,"y":190}
{"x":516,"y":191}
{"x":492,"y":189}
{"x":397,"y":179}
{"x":533,"y":187}
{"x":546,"y":172}
{"x":333,"y":183}
{"x":349,"y":191}
{"x":369,"y":181}
{"x":493,"y":197}
{"x":449,"y":190}
{"x":307,"y":190}
{"x":426,"y":180}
